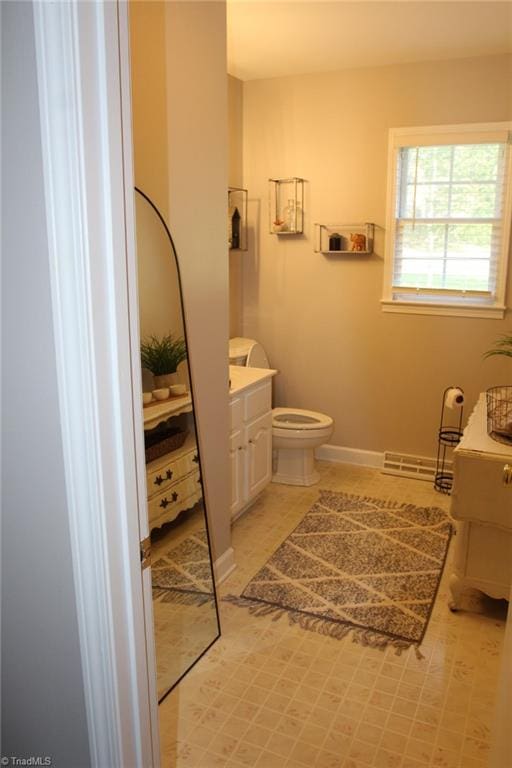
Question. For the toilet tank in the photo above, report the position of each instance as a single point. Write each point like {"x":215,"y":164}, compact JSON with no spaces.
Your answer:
{"x":247,"y":352}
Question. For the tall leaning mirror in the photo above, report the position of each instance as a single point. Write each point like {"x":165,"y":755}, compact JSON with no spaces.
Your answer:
{"x":184,"y":600}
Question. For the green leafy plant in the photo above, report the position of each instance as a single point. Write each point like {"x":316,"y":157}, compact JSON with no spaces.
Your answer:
{"x":162,"y":355}
{"x":503,"y":347}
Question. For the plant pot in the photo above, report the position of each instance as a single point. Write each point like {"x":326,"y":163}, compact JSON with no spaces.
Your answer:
{"x":166,"y":380}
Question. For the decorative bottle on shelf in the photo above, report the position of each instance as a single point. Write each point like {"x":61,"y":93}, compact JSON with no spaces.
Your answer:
{"x":335,"y":242}
{"x":235,"y":229}
{"x":291,"y":217}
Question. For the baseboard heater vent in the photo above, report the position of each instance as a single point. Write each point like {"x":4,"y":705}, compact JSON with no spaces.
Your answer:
{"x":405,"y":465}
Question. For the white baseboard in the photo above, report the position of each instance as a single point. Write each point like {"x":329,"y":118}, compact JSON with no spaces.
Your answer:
{"x":342,"y":455}
{"x":224,"y":565}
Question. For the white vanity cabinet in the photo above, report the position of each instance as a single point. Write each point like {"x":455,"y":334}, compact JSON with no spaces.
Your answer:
{"x":481,"y":503}
{"x":250,"y":443}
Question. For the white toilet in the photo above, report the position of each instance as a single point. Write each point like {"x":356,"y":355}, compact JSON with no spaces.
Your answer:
{"x":295,"y":432}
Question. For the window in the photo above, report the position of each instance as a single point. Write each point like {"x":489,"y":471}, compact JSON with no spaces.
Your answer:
{"x":448,"y":223}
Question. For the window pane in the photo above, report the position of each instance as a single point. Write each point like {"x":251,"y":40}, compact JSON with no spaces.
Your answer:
{"x":454,"y":275}
{"x":455,"y":256}
{"x":433,"y":163}
{"x":421,"y":273}
{"x":469,"y":276}
{"x":431,"y":201}
{"x":476,"y":162}
{"x":473,"y":201}
{"x":420,"y":240}
{"x":460,"y":181}
{"x":470,"y":241}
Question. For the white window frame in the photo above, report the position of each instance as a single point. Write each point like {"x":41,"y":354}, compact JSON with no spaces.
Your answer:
{"x":445,"y":134}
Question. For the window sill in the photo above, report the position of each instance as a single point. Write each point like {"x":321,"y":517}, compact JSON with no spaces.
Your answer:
{"x":495,"y":312}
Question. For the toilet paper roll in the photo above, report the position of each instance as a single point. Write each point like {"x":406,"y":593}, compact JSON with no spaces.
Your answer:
{"x":454,"y":398}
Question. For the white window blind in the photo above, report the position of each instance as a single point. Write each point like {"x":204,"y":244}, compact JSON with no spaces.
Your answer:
{"x":450,"y":227}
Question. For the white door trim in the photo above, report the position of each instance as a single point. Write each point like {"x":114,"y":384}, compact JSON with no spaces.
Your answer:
{"x":78,"y":62}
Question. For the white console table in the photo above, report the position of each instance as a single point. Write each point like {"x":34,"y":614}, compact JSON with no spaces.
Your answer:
{"x":481,"y":503}
{"x":173,"y":480}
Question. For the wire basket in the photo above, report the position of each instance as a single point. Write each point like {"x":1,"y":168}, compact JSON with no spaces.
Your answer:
{"x":171,"y":441}
{"x":499,"y":414}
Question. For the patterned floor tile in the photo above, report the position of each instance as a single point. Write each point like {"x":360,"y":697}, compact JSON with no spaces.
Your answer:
{"x":271,"y":695}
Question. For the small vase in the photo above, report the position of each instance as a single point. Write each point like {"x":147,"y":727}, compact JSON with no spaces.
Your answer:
{"x":165,"y":380}
{"x":292,"y":217}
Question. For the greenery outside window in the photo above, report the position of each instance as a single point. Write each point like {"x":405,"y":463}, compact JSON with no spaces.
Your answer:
{"x":448,"y":221}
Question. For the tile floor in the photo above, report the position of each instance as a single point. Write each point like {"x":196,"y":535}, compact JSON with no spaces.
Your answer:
{"x":182,"y":631}
{"x":269,"y":695}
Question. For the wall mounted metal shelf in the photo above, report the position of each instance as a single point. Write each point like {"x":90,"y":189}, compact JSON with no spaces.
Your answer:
{"x":286,"y":206}
{"x":237,"y":219}
{"x":343,"y":239}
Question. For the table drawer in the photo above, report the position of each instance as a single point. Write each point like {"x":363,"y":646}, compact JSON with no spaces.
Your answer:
{"x":169,"y":471}
{"x":479,"y":492}
{"x":172,"y":499}
{"x":489,"y":553}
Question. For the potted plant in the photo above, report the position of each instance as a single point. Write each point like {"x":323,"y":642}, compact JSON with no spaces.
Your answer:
{"x":503,"y":346}
{"x":162,"y":356}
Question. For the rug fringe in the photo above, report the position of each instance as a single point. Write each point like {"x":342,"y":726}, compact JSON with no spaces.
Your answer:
{"x":336,"y":629}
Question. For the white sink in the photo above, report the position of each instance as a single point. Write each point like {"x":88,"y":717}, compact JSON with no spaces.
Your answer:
{"x":241,"y":377}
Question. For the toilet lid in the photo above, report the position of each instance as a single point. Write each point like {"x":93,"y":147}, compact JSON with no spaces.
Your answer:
{"x":298,"y":418}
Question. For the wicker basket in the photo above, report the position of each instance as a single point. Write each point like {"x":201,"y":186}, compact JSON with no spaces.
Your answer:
{"x":499,"y":414}
{"x":167,"y":444}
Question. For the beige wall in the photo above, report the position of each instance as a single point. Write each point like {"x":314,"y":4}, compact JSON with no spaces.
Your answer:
{"x":380,"y":376}
{"x":180,"y":129}
{"x":159,"y":290}
{"x":235,"y":178}
{"x":149,"y":100}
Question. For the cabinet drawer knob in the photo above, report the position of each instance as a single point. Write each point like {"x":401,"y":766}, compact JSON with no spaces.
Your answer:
{"x":168,"y":474}
{"x":507,"y":474}
{"x":158,"y":480}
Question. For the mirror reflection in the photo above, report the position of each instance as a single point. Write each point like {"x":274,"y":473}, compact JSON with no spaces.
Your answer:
{"x":184,"y":601}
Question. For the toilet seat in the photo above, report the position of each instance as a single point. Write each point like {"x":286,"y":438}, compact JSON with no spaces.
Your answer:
{"x":299,"y":419}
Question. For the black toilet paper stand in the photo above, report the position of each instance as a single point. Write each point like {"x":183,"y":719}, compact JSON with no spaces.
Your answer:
{"x":449,"y":437}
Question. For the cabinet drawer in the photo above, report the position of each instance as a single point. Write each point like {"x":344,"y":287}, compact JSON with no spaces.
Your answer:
{"x":163,"y":474}
{"x":171,"y":500}
{"x":478,"y":491}
{"x":236,"y":412}
{"x":488,"y":554}
{"x":258,"y":401}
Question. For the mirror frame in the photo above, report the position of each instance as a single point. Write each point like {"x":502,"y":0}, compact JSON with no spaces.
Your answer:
{"x":197,"y":433}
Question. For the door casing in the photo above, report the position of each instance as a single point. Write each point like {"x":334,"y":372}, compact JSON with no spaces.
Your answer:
{"x":82,"y":54}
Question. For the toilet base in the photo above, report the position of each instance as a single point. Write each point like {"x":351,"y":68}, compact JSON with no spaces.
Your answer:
{"x":295,"y":466}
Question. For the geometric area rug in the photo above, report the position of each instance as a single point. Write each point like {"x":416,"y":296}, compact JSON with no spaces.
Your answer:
{"x":356,"y":565}
{"x":183,"y":575}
